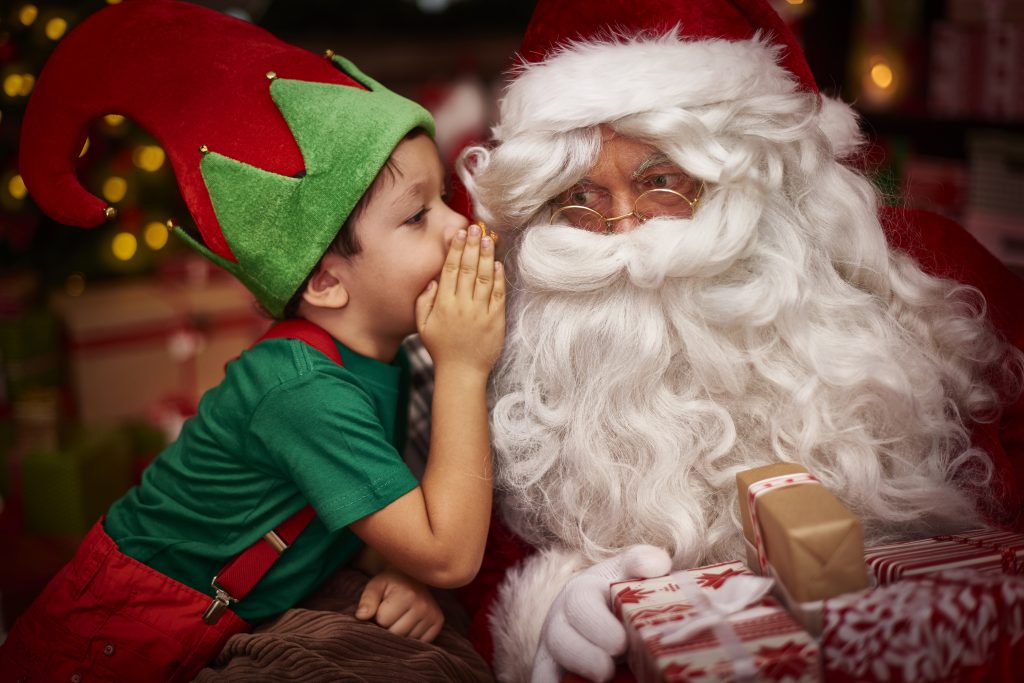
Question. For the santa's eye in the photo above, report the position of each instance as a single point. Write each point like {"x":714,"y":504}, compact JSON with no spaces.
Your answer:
{"x":675,"y":181}
{"x":583,"y":195}
{"x":662,"y":179}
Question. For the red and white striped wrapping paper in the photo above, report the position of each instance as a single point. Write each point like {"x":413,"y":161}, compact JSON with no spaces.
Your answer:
{"x":777,"y":647}
{"x":989,"y":551}
{"x":955,"y":625}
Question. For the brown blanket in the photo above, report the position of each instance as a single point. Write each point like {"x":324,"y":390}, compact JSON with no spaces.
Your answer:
{"x":321,"y":640}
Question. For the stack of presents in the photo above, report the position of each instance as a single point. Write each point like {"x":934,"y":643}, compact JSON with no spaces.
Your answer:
{"x":810,"y":603}
{"x":93,"y":384}
{"x":977,"y":61}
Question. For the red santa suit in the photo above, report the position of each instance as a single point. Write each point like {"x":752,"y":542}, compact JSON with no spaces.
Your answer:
{"x":722,"y":50}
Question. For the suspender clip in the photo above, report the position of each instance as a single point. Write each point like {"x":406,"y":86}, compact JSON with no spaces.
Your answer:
{"x":220,"y":603}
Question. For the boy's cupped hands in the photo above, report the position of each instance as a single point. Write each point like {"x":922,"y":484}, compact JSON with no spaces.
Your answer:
{"x":461,"y":318}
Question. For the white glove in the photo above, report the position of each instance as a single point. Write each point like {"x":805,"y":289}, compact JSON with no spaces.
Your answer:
{"x":580,"y":633}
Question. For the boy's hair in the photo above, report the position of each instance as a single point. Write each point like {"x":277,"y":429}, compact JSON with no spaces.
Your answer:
{"x":345,"y":244}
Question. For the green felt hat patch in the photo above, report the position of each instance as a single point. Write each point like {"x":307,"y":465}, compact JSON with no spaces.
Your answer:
{"x":278,"y":227}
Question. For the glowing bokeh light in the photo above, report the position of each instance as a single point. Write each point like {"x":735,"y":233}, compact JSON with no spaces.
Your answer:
{"x":55,"y":28}
{"x":155,"y":235}
{"x":115,"y":188}
{"x":12,"y":85}
{"x":882,"y":75}
{"x":149,"y":157}
{"x":124,"y":246}
{"x":16,"y":186}
{"x":27,"y":14}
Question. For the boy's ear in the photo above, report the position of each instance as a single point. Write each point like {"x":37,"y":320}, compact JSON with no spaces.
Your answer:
{"x":325,"y":288}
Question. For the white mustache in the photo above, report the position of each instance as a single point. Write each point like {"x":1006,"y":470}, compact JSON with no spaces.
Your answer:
{"x":568,"y":259}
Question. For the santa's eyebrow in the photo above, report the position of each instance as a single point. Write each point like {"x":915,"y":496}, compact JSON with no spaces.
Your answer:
{"x":655,"y":159}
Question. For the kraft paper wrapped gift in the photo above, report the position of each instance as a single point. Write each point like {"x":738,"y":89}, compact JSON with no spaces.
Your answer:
{"x":808,"y":540}
{"x":714,"y":623}
{"x":988,"y":551}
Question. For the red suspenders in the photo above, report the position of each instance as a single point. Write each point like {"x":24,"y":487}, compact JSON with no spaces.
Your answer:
{"x":241,"y":574}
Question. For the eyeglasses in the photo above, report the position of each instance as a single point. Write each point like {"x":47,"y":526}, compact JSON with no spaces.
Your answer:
{"x":656,"y":203}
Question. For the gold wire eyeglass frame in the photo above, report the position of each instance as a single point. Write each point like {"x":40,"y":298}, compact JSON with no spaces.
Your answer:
{"x":641,"y":218}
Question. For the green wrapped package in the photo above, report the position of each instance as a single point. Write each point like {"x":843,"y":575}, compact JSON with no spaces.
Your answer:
{"x":30,"y":349}
{"x":67,"y":490}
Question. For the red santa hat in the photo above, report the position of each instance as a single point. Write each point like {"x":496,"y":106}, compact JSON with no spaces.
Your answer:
{"x":585,"y":63}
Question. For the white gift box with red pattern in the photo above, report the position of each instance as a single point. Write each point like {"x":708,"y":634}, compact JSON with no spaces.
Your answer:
{"x":133,"y":344}
{"x":955,"y":625}
{"x":714,"y":623}
{"x":988,"y":551}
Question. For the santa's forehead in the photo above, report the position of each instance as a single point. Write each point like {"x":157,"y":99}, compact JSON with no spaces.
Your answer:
{"x":621,"y":156}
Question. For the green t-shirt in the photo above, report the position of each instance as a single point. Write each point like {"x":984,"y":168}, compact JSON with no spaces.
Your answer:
{"x":287,"y":426}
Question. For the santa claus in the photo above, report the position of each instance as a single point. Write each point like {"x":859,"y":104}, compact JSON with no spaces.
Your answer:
{"x":703,"y":282}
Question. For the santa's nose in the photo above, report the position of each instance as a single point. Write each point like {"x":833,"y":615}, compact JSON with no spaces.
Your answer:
{"x":624,"y":219}
{"x":625,"y":224}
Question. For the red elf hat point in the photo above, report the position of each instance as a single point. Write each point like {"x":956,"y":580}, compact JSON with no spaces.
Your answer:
{"x":189,"y":76}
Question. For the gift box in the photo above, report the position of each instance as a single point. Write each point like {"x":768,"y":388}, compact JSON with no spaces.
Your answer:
{"x":799,"y":533}
{"x":987,"y":551}
{"x":65,"y":490}
{"x":996,"y":192}
{"x":956,"y":625}
{"x":29,"y":352}
{"x":34,"y":424}
{"x":714,"y":623}
{"x":130,"y":345}
{"x":29,"y":338}
{"x":976,"y":70}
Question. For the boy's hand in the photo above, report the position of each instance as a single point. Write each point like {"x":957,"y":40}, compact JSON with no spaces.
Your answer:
{"x":402,"y":605}
{"x":462,"y":317}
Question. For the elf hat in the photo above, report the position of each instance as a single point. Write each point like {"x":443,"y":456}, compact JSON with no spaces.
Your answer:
{"x":607,"y":59}
{"x":272,"y":146}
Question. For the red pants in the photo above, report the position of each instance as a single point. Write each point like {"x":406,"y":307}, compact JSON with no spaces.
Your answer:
{"x":108,"y":617}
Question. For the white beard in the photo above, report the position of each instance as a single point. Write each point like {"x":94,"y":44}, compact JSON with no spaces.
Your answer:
{"x":644,"y":370}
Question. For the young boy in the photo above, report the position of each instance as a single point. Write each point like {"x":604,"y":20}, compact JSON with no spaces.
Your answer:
{"x":292,"y":460}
